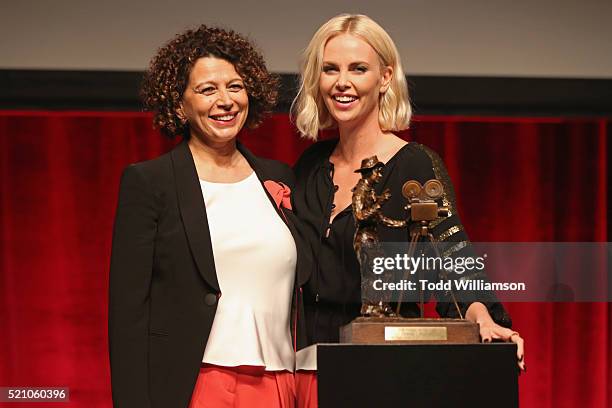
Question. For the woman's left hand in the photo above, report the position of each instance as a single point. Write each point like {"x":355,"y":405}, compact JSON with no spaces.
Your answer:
{"x":489,"y":331}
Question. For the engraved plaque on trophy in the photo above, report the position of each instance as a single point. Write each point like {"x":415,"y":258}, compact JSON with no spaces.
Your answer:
{"x":379,"y":323}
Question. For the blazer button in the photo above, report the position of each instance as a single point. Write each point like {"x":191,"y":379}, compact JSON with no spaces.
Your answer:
{"x":210,"y":299}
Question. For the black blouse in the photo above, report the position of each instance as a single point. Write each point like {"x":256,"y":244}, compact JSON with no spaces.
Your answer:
{"x":332,"y":296}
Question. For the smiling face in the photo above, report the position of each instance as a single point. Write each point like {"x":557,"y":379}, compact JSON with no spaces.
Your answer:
{"x":352,"y":79}
{"x":215,"y":102}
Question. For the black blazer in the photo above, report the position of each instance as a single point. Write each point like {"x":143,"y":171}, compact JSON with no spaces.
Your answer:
{"x":163,"y":284}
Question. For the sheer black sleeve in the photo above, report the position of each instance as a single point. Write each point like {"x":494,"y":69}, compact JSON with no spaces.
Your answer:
{"x":454,"y":242}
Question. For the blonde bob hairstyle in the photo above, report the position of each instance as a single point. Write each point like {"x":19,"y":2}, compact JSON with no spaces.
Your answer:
{"x":308,"y":109}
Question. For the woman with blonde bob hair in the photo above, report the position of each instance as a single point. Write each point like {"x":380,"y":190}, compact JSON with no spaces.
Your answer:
{"x":310,"y":112}
{"x":352,"y":80}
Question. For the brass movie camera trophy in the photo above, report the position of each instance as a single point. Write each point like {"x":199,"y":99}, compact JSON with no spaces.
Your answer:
{"x":379,"y":323}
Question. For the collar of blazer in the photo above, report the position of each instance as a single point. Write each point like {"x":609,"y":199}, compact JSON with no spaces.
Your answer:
{"x":193,"y":210}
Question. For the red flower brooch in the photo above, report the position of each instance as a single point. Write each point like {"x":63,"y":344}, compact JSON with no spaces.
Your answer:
{"x":280,"y":193}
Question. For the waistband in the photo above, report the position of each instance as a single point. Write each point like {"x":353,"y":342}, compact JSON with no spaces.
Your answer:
{"x":257,"y":371}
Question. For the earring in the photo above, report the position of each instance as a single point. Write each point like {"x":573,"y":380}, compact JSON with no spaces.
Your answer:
{"x":181,"y":117}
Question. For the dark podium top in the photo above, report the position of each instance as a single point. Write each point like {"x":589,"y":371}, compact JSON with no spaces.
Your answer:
{"x":423,"y":375}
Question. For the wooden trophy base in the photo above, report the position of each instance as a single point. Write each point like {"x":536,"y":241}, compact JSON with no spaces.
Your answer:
{"x":399,"y":330}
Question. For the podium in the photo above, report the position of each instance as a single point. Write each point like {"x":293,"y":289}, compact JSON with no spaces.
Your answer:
{"x":414,"y":376}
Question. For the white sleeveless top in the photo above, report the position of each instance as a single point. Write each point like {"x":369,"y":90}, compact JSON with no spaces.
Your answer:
{"x":255,"y":258}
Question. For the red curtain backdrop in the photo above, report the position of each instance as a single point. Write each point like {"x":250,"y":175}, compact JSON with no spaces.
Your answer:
{"x":517,"y":179}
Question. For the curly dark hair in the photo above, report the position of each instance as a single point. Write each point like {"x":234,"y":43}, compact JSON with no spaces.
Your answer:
{"x":168,"y":75}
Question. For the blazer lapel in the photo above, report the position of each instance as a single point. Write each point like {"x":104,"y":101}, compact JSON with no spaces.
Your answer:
{"x":193,"y":213}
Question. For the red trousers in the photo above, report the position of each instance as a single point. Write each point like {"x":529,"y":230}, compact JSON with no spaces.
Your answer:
{"x":243,"y":387}
{"x":306,"y":389}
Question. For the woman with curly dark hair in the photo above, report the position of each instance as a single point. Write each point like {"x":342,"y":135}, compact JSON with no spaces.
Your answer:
{"x":202,"y":301}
